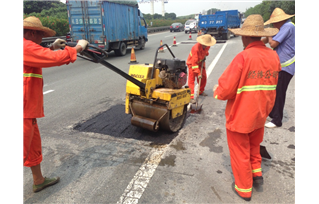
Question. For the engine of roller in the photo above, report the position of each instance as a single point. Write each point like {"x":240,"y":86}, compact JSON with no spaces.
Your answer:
{"x":172,"y":72}
{"x":163,"y":103}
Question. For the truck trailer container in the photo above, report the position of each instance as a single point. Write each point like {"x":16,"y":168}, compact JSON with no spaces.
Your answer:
{"x":217,"y":24}
{"x":109,"y":25}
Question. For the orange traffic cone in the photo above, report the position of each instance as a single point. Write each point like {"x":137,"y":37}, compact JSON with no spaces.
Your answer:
{"x":190,"y":36}
{"x":174,"y":42}
{"x":161,"y":49}
{"x":133,"y":57}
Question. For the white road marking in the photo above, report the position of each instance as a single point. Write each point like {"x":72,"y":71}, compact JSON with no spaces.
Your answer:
{"x":49,"y":91}
{"x":138,"y":184}
{"x":214,"y":62}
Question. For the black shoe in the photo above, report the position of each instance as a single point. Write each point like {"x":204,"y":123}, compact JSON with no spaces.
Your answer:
{"x":233,"y":188}
{"x":258,"y":180}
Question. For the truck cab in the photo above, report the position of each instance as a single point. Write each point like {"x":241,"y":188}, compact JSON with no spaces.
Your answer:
{"x":142,"y":31}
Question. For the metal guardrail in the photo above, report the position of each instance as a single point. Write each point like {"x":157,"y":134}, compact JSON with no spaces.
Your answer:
{"x":157,"y":29}
{"x":47,"y":41}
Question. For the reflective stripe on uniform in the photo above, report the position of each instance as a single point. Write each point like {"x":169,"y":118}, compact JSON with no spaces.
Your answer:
{"x":194,"y":67}
{"x":191,"y":53}
{"x":257,"y":88}
{"x":243,"y":190}
{"x":32,"y":75}
{"x":256,"y":170}
{"x":216,"y":97}
{"x":288,"y":62}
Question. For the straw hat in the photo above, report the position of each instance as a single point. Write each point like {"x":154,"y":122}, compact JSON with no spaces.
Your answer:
{"x":206,"y":40}
{"x":254,"y":27}
{"x":33,"y":23}
{"x":277,"y":16}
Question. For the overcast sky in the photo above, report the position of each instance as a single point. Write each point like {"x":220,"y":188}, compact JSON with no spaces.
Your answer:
{"x":187,"y":7}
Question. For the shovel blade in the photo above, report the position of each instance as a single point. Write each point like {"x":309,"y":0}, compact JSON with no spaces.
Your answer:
{"x":264,"y":153}
{"x":195,"y":108}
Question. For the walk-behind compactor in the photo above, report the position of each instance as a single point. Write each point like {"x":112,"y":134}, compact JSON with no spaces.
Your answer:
{"x":155,"y":93}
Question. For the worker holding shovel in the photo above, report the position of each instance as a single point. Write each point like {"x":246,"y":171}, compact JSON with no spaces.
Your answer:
{"x":194,"y":61}
{"x":249,"y":84}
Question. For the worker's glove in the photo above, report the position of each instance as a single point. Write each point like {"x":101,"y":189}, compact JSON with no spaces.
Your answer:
{"x":58,"y":43}
{"x":199,"y":76}
{"x":83,"y":44}
{"x":204,"y":59}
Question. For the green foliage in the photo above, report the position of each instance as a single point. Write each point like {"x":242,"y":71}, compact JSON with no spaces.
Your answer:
{"x":212,"y":10}
{"x":191,"y":16}
{"x":267,"y":7}
{"x":59,"y":25}
{"x":52,"y":14}
{"x":38,"y":6}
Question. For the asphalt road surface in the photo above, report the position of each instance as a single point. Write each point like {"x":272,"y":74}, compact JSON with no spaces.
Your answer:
{"x":88,"y":141}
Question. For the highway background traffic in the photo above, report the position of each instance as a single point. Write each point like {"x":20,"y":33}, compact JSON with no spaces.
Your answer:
{"x":89,"y":142}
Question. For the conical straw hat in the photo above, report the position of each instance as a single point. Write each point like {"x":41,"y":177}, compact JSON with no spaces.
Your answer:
{"x":277,"y":16}
{"x":33,"y":23}
{"x":254,"y":27}
{"x":206,"y":40}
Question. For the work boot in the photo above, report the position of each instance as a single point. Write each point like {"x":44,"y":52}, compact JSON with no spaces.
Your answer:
{"x":47,"y":182}
{"x":203,"y":94}
{"x":192,"y":100}
{"x":258,"y":182}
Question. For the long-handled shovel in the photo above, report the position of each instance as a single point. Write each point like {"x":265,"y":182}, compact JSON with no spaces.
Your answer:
{"x":195,"y":108}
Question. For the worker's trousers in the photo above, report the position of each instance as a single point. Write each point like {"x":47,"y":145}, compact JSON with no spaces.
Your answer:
{"x":32,"y":149}
{"x":191,"y":81}
{"x":277,"y":112}
{"x":245,"y":159}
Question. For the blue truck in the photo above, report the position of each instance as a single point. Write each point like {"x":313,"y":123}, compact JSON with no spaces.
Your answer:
{"x":110,"y":25}
{"x":217,"y":24}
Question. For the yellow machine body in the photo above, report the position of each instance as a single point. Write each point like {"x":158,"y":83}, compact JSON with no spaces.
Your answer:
{"x":156,"y":106}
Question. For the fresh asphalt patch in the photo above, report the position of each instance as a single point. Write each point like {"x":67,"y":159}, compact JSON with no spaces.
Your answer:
{"x":115,"y":122}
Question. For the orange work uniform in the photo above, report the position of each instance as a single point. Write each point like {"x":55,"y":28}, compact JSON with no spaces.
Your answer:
{"x":249,"y":85}
{"x":194,"y":61}
{"x":36,"y":57}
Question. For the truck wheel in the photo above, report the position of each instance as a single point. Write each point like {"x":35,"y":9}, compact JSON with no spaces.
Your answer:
{"x":226,"y":36}
{"x":122,"y":50}
{"x":141,"y":44}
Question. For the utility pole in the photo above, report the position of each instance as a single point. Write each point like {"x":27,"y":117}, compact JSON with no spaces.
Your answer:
{"x":163,"y":8}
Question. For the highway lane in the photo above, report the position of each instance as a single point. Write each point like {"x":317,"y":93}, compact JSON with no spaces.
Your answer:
{"x":88,"y":140}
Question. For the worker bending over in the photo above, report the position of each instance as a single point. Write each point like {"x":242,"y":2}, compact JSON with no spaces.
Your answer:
{"x":195,"y":60}
{"x":249,"y":85}
{"x":36,"y":57}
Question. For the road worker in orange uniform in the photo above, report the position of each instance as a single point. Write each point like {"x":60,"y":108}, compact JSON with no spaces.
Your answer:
{"x":196,"y":57}
{"x":249,"y":85}
{"x":36,"y":57}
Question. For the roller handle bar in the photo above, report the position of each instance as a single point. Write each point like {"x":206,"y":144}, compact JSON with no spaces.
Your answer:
{"x":152,"y":74}
{"x":91,"y":55}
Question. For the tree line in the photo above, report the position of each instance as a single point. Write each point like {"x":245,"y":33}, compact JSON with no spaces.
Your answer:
{"x":53,"y":14}
{"x":266,"y":8}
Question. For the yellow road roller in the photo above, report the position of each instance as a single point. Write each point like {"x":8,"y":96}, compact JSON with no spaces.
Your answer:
{"x":155,"y":93}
